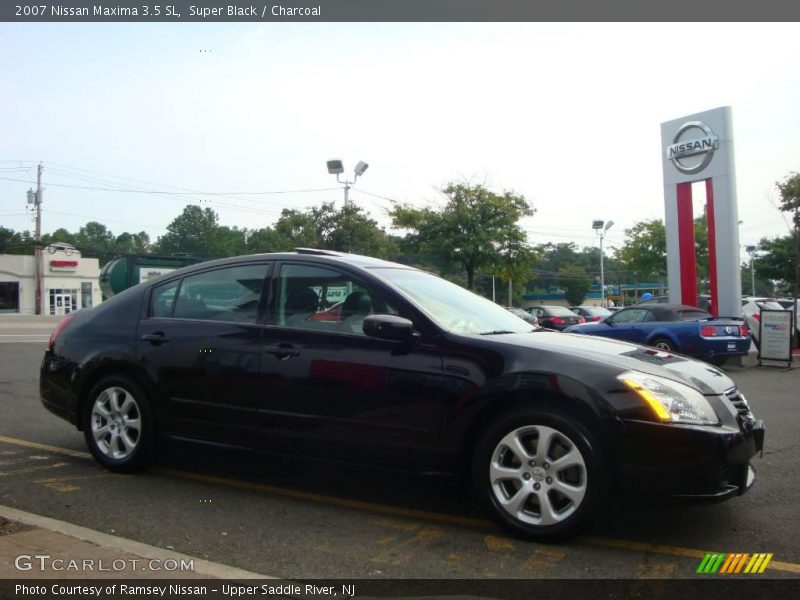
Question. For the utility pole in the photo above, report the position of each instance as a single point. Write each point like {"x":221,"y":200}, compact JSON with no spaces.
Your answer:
{"x":37,"y":203}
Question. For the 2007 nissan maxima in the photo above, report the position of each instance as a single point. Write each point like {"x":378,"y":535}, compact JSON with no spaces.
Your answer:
{"x":349,"y":357}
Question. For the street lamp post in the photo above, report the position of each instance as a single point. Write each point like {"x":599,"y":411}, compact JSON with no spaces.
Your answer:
{"x":751,"y":250}
{"x":601,"y":228}
{"x":335,"y":167}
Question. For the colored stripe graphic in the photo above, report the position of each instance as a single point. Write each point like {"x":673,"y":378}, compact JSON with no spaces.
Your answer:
{"x":734,"y":563}
{"x":729,"y":563}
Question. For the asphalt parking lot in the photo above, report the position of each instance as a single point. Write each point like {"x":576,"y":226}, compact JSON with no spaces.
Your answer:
{"x":302,"y":519}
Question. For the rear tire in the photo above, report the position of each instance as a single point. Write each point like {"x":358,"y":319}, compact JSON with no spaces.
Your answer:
{"x":663,"y":344}
{"x":540,"y":473}
{"x":118,"y":425}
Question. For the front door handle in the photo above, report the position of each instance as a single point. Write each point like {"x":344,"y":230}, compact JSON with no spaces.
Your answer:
{"x":282,"y":351}
{"x":156,"y":338}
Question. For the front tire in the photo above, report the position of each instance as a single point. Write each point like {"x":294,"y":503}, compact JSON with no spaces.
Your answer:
{"x":118,"y":425}
{"x":540,"y":473}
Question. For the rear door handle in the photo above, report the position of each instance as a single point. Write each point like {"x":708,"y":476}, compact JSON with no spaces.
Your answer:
{"x":156,"y":338}
{"x":282,"y":351}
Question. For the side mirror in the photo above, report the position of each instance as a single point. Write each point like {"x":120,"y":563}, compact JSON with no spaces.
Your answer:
{"x":389,"y":327}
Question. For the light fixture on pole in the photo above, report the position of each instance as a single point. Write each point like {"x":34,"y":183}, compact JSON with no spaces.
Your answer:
{"x":751,"y":250}
{"x":335,"y":167}
{"x":601,"y":229}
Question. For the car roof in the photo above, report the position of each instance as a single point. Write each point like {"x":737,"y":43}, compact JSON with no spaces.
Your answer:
{"x":311,"y":254}
{"x":665,"y":307}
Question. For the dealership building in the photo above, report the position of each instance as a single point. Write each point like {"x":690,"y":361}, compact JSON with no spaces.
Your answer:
{"x":69,"y":281}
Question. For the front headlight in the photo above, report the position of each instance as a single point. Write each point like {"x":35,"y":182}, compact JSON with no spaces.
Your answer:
{"x":672,"y":402}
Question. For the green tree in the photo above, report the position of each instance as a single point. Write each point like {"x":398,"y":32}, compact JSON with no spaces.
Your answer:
{"x":267,"y":240}
{"x":575,"y":282}
{"x":470,"y":231}
{"x":132,"y":243}
{"x":191,"y":232}
{"x":60,"y":235}
{"x":95,"y":240}
{"x":790,"y":203}
{"x":347,"y":229}
{"x":16,"y":242}
{"x":776,"y":262}
{"x":645,"y":250}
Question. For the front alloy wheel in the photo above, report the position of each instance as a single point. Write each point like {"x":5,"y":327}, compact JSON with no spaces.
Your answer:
{"x":538,"y":475}
{"x":540,"y":472}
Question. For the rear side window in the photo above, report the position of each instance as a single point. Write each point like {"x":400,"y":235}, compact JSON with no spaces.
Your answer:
{"x":231,"y":294}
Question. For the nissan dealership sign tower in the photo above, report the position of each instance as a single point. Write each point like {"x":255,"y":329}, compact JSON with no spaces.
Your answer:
{"x":700,"y":148}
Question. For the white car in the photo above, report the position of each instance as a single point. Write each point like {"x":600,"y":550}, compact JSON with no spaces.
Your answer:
{"x":751,"y":310}
{"x":792,"y":304}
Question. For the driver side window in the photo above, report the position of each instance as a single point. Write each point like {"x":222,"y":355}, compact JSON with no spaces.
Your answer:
{"x":324,"y":299}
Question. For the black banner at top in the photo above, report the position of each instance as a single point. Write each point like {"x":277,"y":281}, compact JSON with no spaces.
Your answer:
{"x":174,"y":11}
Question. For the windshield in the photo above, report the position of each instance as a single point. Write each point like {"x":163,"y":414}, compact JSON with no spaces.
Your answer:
{"x":452,"y":307}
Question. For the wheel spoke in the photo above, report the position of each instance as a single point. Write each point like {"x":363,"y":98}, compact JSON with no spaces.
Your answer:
{"x":126,"y":404}
{"x":514,"y":443}
{"x":127,"y":442}
{"x":135,"y":424}
{"x":570,"y":459}
{"x":514,"y":504}
{"x":114,"y":395}
{"x":573,"y":493}
{"x":543,"y":444}
{"x":101,"y":432}
{"x":498,"y":472}
{"x":100,"y":405}
{"x":547,"y":514}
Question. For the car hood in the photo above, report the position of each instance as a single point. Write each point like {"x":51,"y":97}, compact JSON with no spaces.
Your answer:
{"x":623,"y":357}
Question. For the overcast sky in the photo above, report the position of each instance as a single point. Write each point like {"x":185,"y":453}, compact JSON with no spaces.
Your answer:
{"x":566,"y":114}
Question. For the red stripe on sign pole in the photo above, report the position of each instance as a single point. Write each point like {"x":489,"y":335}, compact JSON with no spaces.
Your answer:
{"x":686,"y":245}
{"x":712,"y":246}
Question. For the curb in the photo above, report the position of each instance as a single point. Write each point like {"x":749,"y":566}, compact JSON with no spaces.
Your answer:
{"x":202,"y":568}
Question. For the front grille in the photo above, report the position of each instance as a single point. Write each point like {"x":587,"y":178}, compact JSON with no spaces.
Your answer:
{"x":739,"y":402}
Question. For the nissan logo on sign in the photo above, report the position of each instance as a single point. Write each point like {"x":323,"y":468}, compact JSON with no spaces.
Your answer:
{"x":689,"y":153}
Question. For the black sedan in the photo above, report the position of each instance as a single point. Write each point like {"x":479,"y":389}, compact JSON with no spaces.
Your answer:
{"x":352,"y":358}
{"x":556,"y":317}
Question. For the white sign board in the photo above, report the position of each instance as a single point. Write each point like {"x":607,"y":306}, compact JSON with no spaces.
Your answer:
{"x":775,"y":335}
{"x":148,"y":273}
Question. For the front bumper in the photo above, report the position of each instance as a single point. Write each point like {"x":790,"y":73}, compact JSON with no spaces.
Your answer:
{"x":689,"y":463}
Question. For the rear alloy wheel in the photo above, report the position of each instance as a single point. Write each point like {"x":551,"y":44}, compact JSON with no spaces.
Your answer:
{"x":663,"y":344}
{"x":540,"y":474}
{"x":117,"y":425}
